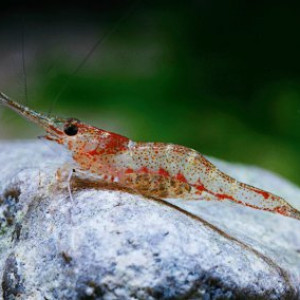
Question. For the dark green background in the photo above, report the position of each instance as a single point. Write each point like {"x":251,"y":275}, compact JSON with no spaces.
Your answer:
{"x":221,"y":77}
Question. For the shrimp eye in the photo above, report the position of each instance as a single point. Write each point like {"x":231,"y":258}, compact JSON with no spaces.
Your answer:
{"x":71,"y":129}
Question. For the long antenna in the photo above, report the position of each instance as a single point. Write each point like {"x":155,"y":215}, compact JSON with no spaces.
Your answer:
{"x":92,"y":50}
{"x":24,"y":63}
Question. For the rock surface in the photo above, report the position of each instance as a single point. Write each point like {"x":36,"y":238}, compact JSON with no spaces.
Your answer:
{"x":115,"y":245}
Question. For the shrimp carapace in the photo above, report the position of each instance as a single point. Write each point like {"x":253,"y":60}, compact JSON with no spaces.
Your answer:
{"x":152,"y":169}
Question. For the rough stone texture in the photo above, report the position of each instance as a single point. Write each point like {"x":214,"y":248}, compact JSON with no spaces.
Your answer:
{"x":115,"y":245}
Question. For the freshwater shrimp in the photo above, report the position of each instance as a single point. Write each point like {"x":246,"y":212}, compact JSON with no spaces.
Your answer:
{"x":158,"y":170}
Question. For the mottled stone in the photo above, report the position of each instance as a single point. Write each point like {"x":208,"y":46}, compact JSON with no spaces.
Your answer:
{"x":115,"y":245}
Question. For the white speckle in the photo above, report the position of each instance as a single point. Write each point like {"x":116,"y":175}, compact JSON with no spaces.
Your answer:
{"x":89,"y":291}
{"x":131,"y":144}
{"x":105,"y":134}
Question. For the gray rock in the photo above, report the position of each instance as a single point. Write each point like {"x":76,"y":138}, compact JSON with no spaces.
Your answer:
{"x":115,"y":245}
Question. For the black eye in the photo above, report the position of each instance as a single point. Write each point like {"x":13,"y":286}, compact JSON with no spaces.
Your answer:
{"x":71,"y":129}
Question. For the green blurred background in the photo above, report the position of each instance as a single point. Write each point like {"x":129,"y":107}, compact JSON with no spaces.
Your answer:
{"x":222,"y":77}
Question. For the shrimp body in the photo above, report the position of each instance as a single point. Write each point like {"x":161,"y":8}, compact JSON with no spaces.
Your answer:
{"x":173,"y":171}
{"x":152,"y":169}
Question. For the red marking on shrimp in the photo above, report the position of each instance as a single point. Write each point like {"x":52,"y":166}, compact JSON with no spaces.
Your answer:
{"x":57,"y":131}
{"x":116,"y":141}
{"x":180,"y":177}
{"x":143,"y":170}
{"x":200,"y":187}
{"x":281,"y":210}
{"x":163,"y":172}
{"x":93,"y":152}
{"x":129,"y":171}
{"x":265,"y":194}
{"x":225,"y":196}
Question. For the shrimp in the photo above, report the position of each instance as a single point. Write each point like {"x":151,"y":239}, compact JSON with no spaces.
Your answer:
{"x":158,"y":170}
